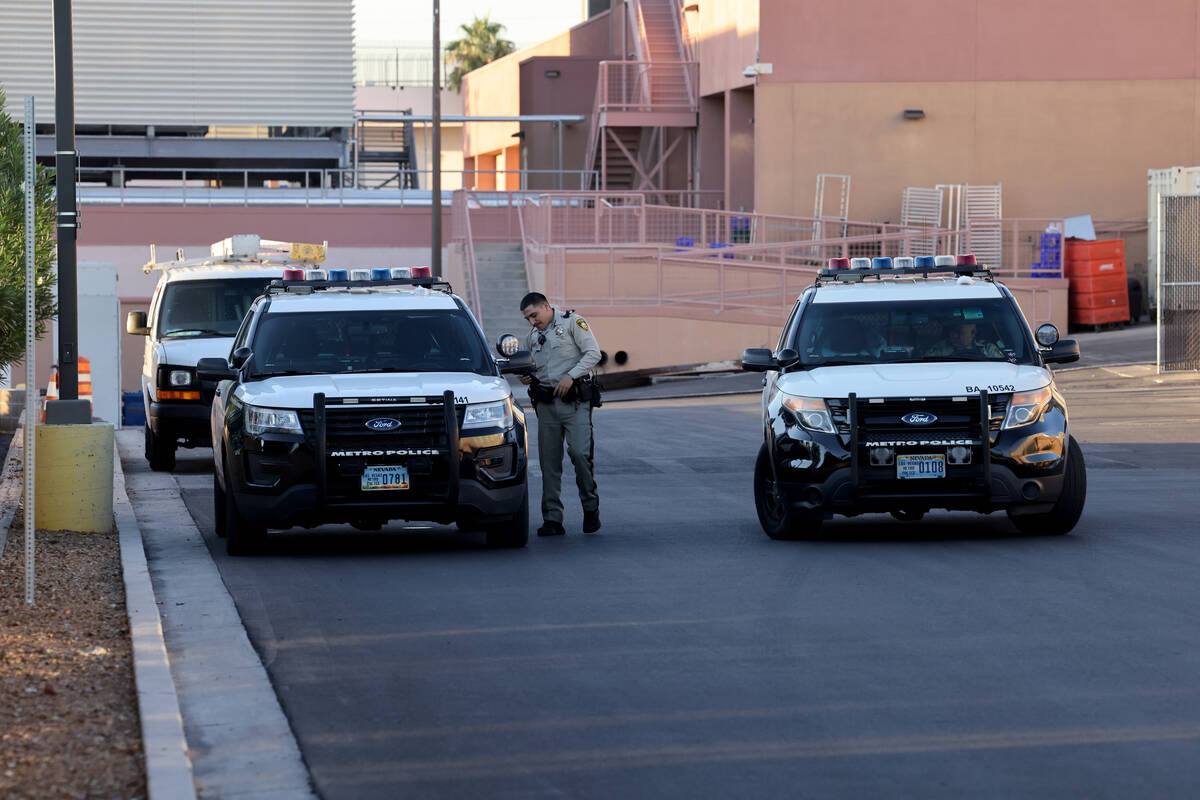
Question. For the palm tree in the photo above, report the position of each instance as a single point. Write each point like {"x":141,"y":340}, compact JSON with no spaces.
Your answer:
{"x":480,"y":44}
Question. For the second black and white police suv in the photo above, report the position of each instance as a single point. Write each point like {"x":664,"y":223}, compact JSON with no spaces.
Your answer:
{"x":904,"y":385}
{"x":365,"y":398}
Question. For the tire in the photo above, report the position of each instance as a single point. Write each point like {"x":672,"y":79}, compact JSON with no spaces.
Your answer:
{"x":778,"y":520}
{"x":160,"y":454}
{"x":1067,"y":509}
{"x":218,"y":507}
{"x":515,"y":532}
{"x":241,"y":538}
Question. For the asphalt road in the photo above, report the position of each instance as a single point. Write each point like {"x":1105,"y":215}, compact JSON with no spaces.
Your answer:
{"x":680,"y":653}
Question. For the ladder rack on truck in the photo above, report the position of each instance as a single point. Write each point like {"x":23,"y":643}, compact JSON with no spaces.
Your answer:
{"x":246,"y":248}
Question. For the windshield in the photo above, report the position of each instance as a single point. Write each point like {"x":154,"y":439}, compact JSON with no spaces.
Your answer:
{"x":328,"y":342}
{"x":912,"y":331}
{"x":207,"y":308}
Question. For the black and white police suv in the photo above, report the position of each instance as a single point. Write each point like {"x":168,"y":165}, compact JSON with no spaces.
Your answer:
{"x":903,"y":385}
{"x":365,"y":398}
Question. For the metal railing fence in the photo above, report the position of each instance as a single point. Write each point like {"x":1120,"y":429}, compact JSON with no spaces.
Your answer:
{"x":1178,"y":283}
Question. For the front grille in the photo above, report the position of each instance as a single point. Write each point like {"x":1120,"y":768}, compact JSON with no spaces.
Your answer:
{"x":882,"y":416}
{"x":345,"y":427}
{"x":421,"y":427}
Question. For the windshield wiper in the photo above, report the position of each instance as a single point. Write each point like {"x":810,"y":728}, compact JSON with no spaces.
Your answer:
{"x":842,"y":363}
{"x":258,"y":376}
{"x":195,"y":332}
{"x":941,"y":359}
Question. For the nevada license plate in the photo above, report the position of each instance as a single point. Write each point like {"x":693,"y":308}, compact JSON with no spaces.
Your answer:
{"x":920,"y":466}
{"x":390,"y":477}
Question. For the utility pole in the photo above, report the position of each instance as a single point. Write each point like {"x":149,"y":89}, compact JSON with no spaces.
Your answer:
{"x":68,"y":409}
{"x":435,"y":156}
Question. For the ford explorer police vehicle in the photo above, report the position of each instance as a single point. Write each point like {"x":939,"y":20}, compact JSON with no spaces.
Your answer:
{"x":196,"y":309}
{"x":903,"y":385}
{"x":361,"y":399}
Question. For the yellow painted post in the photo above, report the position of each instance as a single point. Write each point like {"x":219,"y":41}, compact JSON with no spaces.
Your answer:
{"x":74,"y":478}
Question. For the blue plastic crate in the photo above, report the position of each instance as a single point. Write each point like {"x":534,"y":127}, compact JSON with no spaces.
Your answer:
{"x":133,"y":411}
{"x":1052,"y":241}
{"x":719,"y":245}
{"x":1038,"y":270}
{"x":1052,"y":257}
{"x":682,"y":242}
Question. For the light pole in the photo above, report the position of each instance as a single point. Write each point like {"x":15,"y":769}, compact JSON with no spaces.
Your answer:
{"x":435,"y":156}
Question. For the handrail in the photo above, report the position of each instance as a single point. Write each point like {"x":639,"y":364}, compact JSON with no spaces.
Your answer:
{"x":472,"y":271}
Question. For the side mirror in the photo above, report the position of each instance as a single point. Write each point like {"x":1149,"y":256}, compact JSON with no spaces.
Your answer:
{"x":1046,"y":335}
{"x":214,"y":369}
{"x":519,"y":363}
{"x":239,"y":357}
{"x":507,"y":345}
{"x":135,"y":323}
{"x":758,"y":359}
{"x":1064,"y":351}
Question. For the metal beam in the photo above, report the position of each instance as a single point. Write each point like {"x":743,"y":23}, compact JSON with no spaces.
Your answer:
{"x":381,"y":116}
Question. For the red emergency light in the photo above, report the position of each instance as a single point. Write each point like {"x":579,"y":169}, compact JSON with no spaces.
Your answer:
{"x":965,"y":261}
{"x":293,"y":274}
{"x":839,"y":263}
{"x":422,"y":272}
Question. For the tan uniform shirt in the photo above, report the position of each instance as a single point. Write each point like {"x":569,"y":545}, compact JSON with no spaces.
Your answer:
{"x":566,"y":347}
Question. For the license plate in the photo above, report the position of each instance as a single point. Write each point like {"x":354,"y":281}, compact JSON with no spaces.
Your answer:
{"x":920,"y":466}
{"x":390,"y":477}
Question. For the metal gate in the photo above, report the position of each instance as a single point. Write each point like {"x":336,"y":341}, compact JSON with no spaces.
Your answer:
{"x":1178,"y":285}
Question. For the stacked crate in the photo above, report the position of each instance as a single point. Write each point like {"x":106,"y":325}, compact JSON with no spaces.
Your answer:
{"x":1050,"y":265}
{"x":1099,"y":293}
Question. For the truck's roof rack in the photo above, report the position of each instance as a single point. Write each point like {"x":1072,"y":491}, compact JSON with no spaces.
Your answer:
{"x":244,"y":249}
{"x":307,"y":286}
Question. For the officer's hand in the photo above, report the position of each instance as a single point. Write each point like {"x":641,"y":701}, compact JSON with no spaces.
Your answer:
{"x":526,"y":379}
{"x":563,"y":386}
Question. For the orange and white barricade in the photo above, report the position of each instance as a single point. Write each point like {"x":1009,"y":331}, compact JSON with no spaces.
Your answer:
{"x":85,"y":384}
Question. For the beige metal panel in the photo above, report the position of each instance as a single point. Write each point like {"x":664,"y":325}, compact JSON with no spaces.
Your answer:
{"x":181,"y":62}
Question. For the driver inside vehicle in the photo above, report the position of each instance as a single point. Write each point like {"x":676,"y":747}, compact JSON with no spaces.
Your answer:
{"x":961,"y":340}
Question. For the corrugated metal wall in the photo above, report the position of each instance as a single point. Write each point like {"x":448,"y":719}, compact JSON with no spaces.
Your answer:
{"x":188,"y":62}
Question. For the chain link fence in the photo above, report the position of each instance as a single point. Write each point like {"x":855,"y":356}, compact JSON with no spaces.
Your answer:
{"x":1178,"y":287}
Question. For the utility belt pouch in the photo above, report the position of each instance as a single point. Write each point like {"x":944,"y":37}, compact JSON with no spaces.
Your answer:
{"x":540,"y":393}
{"x":589,"y":391}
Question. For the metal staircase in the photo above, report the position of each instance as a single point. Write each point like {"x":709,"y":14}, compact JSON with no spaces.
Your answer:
{"x":500,"y":272}
{"x":645,"y":109}
{"x":390,"y":143}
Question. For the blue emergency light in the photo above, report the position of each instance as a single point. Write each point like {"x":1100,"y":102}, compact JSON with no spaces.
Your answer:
{"x":881,"y":263}
{"x":381,"y":274}
{"x":339,"y":275}
{"x":925,"y":261}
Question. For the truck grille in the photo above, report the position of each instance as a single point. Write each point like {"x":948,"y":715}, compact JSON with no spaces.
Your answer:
{"x":882,"y":416}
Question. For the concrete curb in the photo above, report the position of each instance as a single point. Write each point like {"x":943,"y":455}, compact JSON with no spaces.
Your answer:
{"x":11,"y":485}
{"x":168,"y":768}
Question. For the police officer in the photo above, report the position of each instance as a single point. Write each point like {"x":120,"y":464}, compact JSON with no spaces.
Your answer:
{"x":565,"y":350}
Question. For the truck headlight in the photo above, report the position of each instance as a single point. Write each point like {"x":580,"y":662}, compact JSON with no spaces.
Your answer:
{"x":489,"y":415}
{"x":812,"y":412}
{"x":179,"y":377}
{"x":1026,"y":407}
{"x":271,"y":420}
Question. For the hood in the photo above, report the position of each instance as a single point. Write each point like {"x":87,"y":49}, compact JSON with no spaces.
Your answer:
{"x":915,"y":380}
{"x":296,"y":391}
{"x":185,"y":352}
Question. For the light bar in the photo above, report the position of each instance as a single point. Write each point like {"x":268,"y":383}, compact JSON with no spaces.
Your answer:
{"x":339,"y":275}
{"x":881,"y":263}
{"x":360,"y":274}
{"x":965,"y":261}
{"x":839,"y":263}
{"x":380,"y":274}
{"x":903,"y":262}
{"x":860,"y":263}
{"x":945,"y":261}
{"x":401,"y":272}
{"x":926,"y":261}
{"x":422,"y":272}
{"x":315,"y":275}
{"x":293,"y":274}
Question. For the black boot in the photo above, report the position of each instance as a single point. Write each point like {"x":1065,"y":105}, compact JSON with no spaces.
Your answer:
{"x":591,"y":521}
{"x":551,"y":528}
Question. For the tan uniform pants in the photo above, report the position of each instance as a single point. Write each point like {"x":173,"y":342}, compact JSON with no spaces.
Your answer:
{"x":557,"y":421}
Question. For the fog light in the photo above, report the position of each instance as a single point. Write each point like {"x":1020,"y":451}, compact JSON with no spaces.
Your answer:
{"x":959,"y":455}
{"x":1031,"y":491}
{"x":881,"y":456}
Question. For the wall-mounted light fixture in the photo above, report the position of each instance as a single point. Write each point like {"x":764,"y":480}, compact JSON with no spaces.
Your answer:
{"x":552,"y":73}
{"x":914,"y":113}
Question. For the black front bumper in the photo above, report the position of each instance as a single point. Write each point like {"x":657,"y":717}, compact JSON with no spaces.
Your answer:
{"x":183,"y":421}
{"x":285,"y":480}
{"x":1020,"y":470}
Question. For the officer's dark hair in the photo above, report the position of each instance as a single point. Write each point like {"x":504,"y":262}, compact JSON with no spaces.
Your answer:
{"x":533,"y":299}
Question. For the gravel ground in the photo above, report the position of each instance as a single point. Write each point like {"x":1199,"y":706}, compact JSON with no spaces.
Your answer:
{"x":68,"y":706}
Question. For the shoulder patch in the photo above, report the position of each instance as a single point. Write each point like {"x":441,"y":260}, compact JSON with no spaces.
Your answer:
{"x":581,"y":322}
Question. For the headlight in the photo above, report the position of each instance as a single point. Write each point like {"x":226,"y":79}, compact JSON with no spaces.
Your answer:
{"x":179,"y":377}
{"x":271,"y":420}
{"x":812,"y":413}
{"x":1026,"y":407}
{"x":489,"y":415}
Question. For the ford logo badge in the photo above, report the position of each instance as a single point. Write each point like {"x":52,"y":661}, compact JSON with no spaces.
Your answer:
{"x":918,"y":418}
{"x":382,"y":424}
